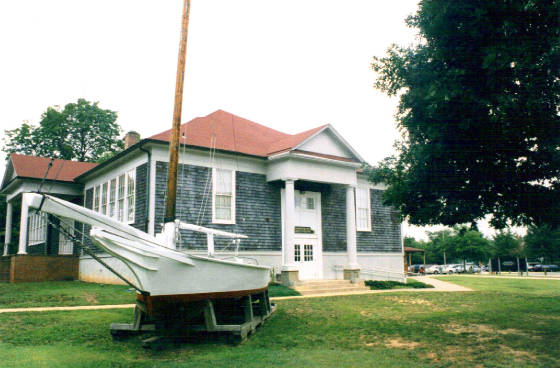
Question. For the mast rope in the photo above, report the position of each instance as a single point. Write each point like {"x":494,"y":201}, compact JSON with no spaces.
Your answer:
{"x":205,"y":193}
{"x":88,"y":250}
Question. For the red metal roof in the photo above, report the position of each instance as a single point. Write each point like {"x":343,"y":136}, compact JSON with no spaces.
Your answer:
{"x":35,"y":167}
{"x":233,"y":133}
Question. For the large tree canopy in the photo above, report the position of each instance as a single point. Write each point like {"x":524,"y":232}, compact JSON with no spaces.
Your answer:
{"x":82,"y":131}
{"x":479,"y":113}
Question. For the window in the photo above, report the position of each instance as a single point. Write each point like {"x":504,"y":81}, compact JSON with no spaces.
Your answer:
{"x":104,"y":199}
{"x":131,"y":179}
{"x":96,"y":198}
{"x":363,"y":209}
{"x":116,"y":197}
{"x":223,"y":196}
{"x":112,"y":195}
{"x":308,"y":252}
{"x":297,"y":253}
{"x":37,"y":228}
{"x":120,"y":203}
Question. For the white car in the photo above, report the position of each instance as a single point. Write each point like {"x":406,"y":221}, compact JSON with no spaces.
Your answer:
{"x":434,"y":269}
{"x":450,"y":268}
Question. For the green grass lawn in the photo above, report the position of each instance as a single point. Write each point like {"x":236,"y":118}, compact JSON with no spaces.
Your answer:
{"x":503,"y":323}
{"x":72,"y":293}
{"x":62,"y":293}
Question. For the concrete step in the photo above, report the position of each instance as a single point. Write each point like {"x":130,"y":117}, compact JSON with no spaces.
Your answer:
{"x":327,"y":283}
{"x":333,"y":291}
{"x":327,"y":286}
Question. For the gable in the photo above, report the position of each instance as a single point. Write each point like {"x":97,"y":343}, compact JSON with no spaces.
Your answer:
{"x":328,"y":144}
{"x":9,"y":174}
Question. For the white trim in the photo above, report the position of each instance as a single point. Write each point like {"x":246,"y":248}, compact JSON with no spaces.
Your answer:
{"x":107,"y":195}
{"x":152,"y":199}
{"x":317,"y":237}
{"x":343,"y":253}
{"x":214,"y":186}
{"x":368,"y":199}
{"x":129,"y":173}
{"x":311,"y":157}
{"x":337,"y":135}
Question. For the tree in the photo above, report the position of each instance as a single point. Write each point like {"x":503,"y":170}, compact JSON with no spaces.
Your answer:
{"x":506,"y":244}
{"x":471,"y":245}
{"x":82,"y":131}
{"x":543,"y":242}
{"x":478,"y":112}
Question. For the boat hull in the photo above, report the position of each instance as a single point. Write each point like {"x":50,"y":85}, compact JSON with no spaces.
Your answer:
{"x":160,"y":271}
{"x":165,"y":304}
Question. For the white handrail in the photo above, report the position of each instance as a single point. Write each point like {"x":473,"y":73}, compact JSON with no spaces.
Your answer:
{"x":207,"y":230}
{"x":210,"y":233}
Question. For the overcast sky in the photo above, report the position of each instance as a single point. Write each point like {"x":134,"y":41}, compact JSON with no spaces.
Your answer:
{"x":290,"y":65}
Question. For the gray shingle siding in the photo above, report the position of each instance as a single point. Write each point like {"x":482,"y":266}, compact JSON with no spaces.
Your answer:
{"x":385,"y":234}
{"x":258,"y":212}
{"x":333,"y":213}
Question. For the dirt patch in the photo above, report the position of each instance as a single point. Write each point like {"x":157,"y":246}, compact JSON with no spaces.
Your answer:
{"x":456,"y":329}
{"x":410,"y":301}
{"x":518,"y":355}
{"x":398,"y":343}
{"x":430,"y":355}
{"x":90,"y":298}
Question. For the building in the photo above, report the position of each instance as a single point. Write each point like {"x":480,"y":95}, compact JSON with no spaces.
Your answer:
{"x":238,"y":176}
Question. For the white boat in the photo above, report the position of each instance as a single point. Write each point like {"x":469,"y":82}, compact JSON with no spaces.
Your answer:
{"x":158,"y":270}
{"x":162,"y":274}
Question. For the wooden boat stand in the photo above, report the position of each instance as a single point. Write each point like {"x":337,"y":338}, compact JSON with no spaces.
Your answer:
{"x":235,"y":317}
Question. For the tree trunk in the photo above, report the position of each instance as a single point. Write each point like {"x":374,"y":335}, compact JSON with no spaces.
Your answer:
{"x":499,"y":266}
{"x":518,"y":268}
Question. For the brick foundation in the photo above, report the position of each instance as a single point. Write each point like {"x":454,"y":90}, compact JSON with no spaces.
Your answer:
{"x":30,"y":268}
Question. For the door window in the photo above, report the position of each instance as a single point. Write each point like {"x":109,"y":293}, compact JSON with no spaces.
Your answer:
{"x":308,"y":252}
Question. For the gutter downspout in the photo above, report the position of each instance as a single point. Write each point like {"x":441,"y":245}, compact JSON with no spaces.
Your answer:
{"x":147,"y":209}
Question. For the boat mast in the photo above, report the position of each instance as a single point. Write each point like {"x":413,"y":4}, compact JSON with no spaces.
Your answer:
{"x":175,"y":131}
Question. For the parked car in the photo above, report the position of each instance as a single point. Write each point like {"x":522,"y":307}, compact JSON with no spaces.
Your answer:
{"x":542,"y":268}
{"x":434,"y":269}
{"x":450,"y":268}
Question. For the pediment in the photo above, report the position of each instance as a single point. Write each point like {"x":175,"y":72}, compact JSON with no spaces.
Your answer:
{"x":327,"y":142}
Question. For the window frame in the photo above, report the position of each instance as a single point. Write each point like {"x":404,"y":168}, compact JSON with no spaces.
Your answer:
{"x":121,"y":206}
{"x":127,"y":218}
{"x":36,"y":228}
{"x":215,"y":220}
{"x":367,"y":191}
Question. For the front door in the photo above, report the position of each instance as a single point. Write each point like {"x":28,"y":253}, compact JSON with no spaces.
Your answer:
{"x":307,"y":235}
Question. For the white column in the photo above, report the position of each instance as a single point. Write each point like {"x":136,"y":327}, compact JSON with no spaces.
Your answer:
{"x":23,"y":228}
{"x":351,"y":229}
{"x":8,"y":233}
{"x":289,"y":216}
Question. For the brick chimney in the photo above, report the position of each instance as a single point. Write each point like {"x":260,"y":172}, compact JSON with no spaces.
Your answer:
{"x":131,"y":138}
